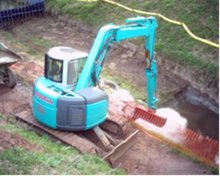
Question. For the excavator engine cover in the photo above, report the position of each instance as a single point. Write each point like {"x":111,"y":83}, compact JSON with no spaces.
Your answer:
{"x":76,"y":111}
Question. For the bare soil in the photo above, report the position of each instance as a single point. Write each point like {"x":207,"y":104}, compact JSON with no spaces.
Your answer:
{"x":147,"y":156}
{"x":11,"y":140}
{"x":12,"y":100}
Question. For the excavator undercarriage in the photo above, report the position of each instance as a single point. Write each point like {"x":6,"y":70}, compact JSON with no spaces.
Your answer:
{"x":110,"y":140}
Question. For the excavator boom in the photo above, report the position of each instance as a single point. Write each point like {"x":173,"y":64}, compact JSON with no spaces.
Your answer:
{"x":109,"y":34}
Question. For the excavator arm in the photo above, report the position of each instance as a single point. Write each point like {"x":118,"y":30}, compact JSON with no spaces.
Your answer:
{"x":110,"y":34}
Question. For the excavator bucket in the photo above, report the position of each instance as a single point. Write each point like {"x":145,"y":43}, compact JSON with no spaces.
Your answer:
{"x":149,"y":116}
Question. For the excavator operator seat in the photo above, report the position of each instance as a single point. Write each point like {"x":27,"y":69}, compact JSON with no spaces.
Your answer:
{"x":53,"y":69}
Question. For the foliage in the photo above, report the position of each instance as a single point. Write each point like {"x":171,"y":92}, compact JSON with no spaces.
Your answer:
{"x":56,"y":158}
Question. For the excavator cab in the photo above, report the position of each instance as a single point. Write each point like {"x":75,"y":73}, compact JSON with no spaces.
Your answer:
{"x":63,"y":65}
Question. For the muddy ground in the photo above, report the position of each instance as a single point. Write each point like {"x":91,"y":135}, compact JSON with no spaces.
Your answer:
{"x":33,"y":38}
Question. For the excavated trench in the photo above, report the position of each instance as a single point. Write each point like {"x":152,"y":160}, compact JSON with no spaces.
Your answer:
{"x":201,"y":113}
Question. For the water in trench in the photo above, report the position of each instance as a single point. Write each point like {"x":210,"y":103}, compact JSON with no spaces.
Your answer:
{"x":200,"y":112}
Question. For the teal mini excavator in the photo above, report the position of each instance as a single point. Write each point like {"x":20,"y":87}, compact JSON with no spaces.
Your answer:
{"x":67,"y":98}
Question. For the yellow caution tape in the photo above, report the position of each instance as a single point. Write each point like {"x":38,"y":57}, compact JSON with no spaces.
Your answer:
{"x":161,"y":16}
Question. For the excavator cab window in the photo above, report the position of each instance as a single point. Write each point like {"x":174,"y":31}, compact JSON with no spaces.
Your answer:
{"x":75,"y":68}
{"x":53,"y":69}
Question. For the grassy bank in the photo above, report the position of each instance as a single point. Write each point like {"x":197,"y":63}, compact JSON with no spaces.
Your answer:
{"x":172,"y":41}
{"x":53,"y":158}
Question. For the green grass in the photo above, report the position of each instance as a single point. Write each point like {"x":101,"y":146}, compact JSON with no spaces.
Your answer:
{"x":21,"y":44}
{"x":172,"y":41}
{"x":80,"y":9}
{"x":20,"y":161}
{"x":28,"y":43}
{"x":56,"y":158}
